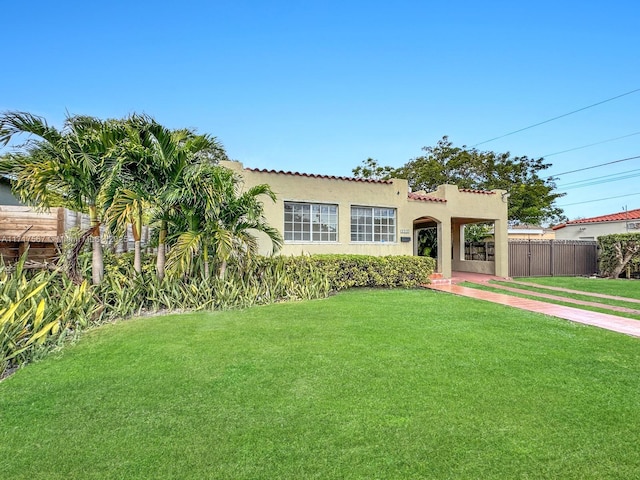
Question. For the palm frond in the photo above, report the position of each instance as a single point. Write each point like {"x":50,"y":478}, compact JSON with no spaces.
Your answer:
{"x":181,"y":256}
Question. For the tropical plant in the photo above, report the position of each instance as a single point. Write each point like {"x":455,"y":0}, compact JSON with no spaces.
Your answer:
{"x":38,"y":311}
{"x":64,"y":167}
{"x":151,"y":177}
{"x":215,"y":218}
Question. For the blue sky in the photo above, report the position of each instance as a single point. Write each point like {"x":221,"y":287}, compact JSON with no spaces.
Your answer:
{"x":319,"y":86}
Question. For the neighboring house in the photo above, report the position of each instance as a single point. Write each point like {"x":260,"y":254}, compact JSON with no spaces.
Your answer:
{"x":6,"y":197}
{"x":530,"y":232}
{"x":327,"y":214}
{"x":627,"y":221}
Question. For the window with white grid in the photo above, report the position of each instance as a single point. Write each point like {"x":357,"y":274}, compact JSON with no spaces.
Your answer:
{"x":373,"y":224}
{"x":310,"y":222}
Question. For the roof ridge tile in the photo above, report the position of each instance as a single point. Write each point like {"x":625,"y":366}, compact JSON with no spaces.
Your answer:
{"x":315,"y":175}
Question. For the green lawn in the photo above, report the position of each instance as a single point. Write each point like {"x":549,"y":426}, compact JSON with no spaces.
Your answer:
{"x":619,"y":287}
{"x":366,"y":384}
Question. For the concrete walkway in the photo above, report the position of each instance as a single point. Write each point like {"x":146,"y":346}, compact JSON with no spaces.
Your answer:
{"x":579,"y":292}
{"x":601,"y":320}
{"x":574,"y":301}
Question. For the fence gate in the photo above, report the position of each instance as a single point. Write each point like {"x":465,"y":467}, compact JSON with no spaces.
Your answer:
{"x":549,"y":258}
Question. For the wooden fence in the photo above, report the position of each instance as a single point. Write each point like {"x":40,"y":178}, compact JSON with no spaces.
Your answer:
{"x":43,"y":232}
{"x":549,"y":258}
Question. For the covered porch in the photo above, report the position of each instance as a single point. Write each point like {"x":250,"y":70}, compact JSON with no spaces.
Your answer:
{"x":444,"y":240}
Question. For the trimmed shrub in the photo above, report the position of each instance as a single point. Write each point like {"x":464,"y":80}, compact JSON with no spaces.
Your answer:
{"x":348,"y":271}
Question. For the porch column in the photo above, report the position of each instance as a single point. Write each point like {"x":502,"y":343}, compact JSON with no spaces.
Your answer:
{"x":458,"y":241}
{"x":501,"y":248}
{"x":444,"y":247}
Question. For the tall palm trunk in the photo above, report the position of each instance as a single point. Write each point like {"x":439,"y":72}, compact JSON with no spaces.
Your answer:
{"x":161,"y":260}
{"x":97,"y":262}
{"x":205,"y":257}
{"x":136,"y":230}
{"x":223,"y":269}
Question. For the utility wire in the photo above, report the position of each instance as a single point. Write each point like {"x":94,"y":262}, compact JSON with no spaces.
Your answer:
{"x":556,"y":118}
{"x":598,"y":200}
{"x":596,"y":166}
{"x":590,"y":145}
{"x":599,"y":182}
{"x":602,"y":177}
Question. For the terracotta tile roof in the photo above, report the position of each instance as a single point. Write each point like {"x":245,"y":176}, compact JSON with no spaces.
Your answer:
{"x":483,"y":192}
{"x":313,"y":175}
{"x":613,"y":217}
{"x":425,"y":198}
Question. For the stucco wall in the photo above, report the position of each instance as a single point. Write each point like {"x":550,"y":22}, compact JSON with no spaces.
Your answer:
{"x":590,"y":231}
{"x":475,"y":266}
{"x":6,"y":197}
{"x":456,"y":207}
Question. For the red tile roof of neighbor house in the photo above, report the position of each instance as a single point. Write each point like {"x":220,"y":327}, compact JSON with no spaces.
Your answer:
{"x":613,"y":217}
{"x":313,"y":175}
{"x":483,"y":192}
{"x":425,"y":198}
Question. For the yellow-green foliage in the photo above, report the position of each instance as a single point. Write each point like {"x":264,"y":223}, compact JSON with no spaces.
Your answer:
{"x":37,"y":310}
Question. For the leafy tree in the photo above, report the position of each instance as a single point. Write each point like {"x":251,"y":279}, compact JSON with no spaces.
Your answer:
{"x":64,"y":167}
{"x":477,"y":232}
{"x":371,"y":169}
{"x":531,"y":197}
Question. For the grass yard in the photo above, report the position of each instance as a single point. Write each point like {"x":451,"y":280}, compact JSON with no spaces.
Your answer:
{"x":366,"y":384}
{"x":619,"y":287}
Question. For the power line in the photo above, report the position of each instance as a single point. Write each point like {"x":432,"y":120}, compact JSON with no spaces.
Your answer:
{"x":596,"y":166}
{"x":556,"y":118}
{"x":598,"y":200}
{"x":584,"y":180}
{"x":599,"y":181}
{"x":590,"y":145}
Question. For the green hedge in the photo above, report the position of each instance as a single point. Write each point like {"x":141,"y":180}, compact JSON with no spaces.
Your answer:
{"x":617,"y":251}
{"x":348,"y":271}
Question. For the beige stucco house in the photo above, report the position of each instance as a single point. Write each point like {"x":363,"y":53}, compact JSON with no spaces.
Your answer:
{"x":327,"y":214}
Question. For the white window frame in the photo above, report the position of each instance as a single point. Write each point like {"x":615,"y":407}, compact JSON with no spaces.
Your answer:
{"x":310,"y":229}
{"x":373,"y":224}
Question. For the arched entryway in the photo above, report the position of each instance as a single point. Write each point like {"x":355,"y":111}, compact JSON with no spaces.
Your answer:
{"x":426,"y":239}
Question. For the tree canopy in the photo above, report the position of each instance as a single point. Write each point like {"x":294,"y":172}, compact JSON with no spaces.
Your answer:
{"x":531,"y":196}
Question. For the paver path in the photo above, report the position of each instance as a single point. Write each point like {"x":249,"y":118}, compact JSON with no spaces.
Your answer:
{"x":602,"y":320}
{"x":580,"y":292}
{"x":575,"y":301}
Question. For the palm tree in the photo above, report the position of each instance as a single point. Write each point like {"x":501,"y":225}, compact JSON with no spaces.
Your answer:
{"x":169,"y":158}
{"x":130,"y":188}
{"x":219,"y":219}
{"x":152,"y":161}
{"x":240,"y":216}
{"x":64,"y":167}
